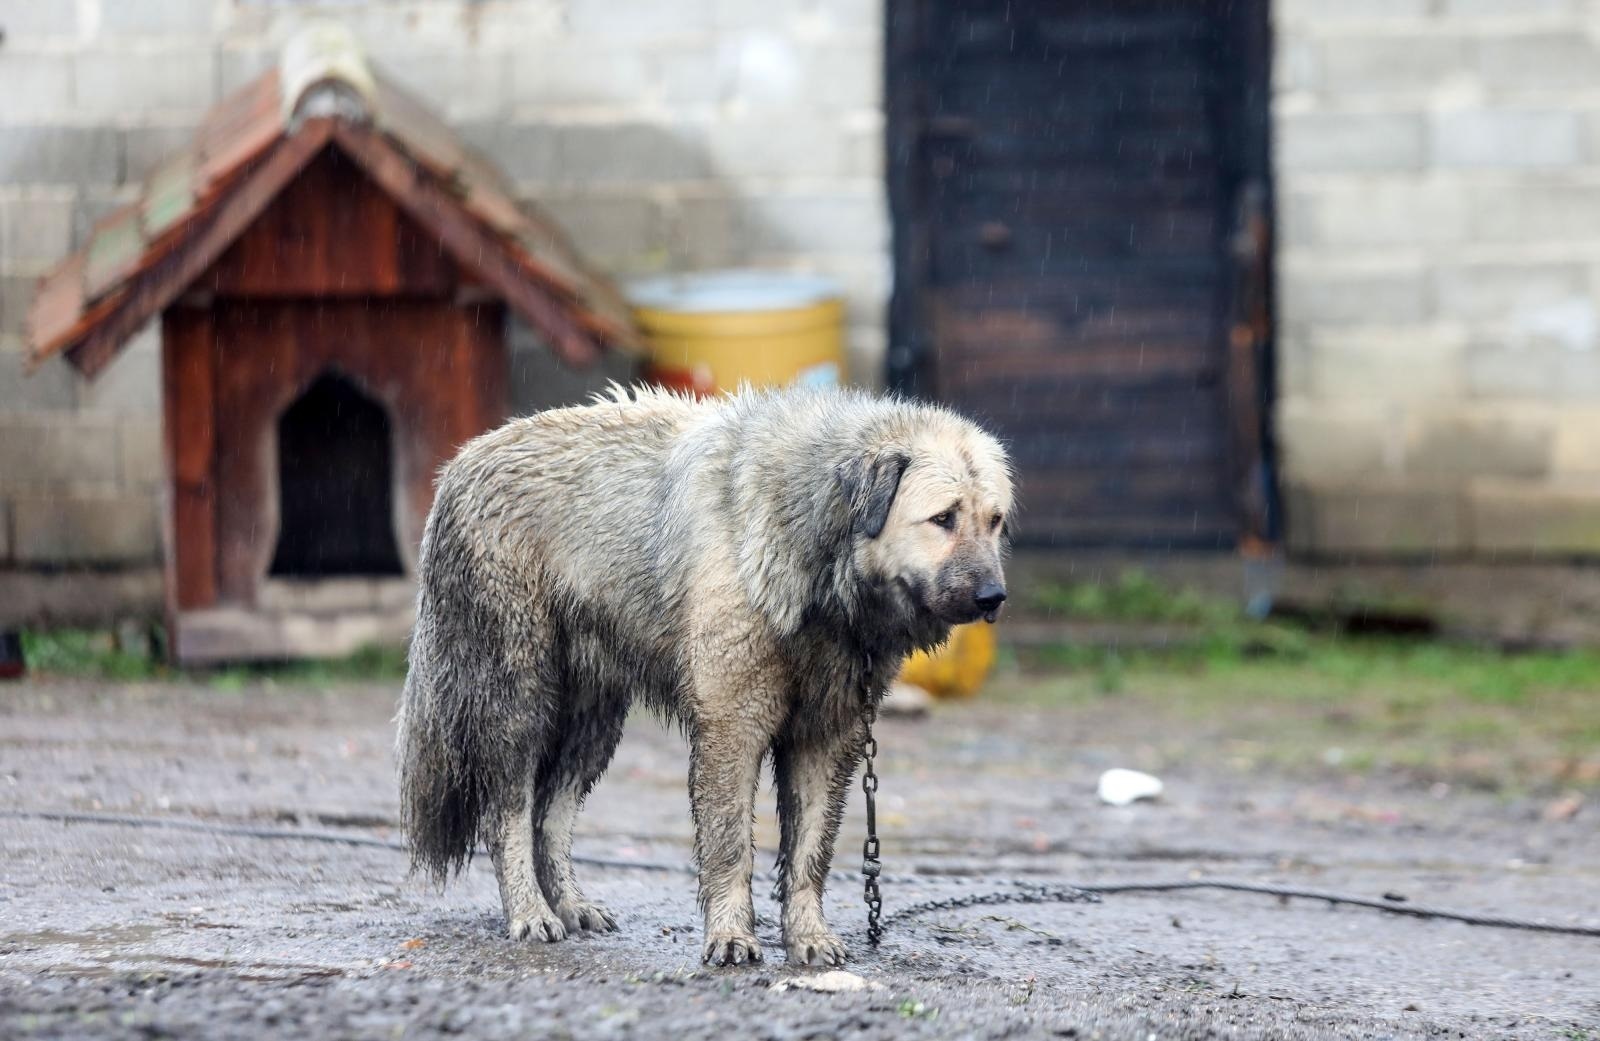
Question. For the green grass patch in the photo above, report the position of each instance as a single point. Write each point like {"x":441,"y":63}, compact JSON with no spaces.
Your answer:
{"x":96,"y":654}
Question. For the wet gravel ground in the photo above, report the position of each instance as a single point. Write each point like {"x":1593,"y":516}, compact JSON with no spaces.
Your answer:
{"x":109,"y":931}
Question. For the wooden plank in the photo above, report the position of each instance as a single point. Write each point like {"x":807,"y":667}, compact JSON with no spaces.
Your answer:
{"x":472,"y":245}
{"x":151,"y":290}
{"x":188,"y":370}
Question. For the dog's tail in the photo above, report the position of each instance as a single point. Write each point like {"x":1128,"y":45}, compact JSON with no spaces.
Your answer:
{"x":454,"y":763}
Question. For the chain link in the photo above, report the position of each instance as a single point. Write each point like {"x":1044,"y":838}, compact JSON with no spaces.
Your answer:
{"x":871,"y":862}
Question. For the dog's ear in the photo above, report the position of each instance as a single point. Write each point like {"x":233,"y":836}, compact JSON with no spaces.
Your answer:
{"x":869,"y":486}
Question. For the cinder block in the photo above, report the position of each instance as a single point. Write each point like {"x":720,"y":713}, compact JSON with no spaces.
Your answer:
{"x":803,"y":146}
{"x":832,"y":223}
{"x":25,"y":18}
{"x":1466,"y":445}
{"x":1377,"y":519}
{"x":36,"y":228}
{"x":539,"y":381}
{"x":50,"y":388}
{"x":639,"y":21}
{"x":702,"y":75}
{"x":1499,"y":291}
{"x":1333,"y":10}
{"x":58,"y":155}
{"x":36,"y":85}
{"x":1508,"y":8}
{"x":121,"y":83}
{"x":630,"y":153}
{"x":1381,"y":212}
{"x":48,"y":448}
{"x":523,"y":151}
{"x":1553,"y":59}
{"x":1333,"y":141}
{"x":239,"y":64}
{"x":1322,"y":440}
{"x":143,"y":467}
{"x":1545,"y":211}
{"x":573,"y":75}
{"x":16,"y":294}
{"x":1531,"y":364}
{"x":1356,"y":64}
{"x":164,"y":17}
{"x":1422,"y":364}
{"x":145,"y":148}
{"x":706,"y":232}
{"x":1535,"y":518}
{"x":104,"y":529}
{"x":1519,"y":138}
{"x":1577,"y":445}
{"x":131,"y":385}
{"x":1316,"y":296}
{"x":623,"y":234}
{"x":469,"y":85}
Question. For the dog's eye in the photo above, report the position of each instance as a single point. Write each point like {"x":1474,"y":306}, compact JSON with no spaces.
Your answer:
{"x":994,"y":522}
{"x":945,"y":520}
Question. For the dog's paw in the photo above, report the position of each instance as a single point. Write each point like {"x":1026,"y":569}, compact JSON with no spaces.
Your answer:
{"x":537,"y":925}
{"x":819,"y":948}
{"x":589,"y":918}
{"x":731,"y":949}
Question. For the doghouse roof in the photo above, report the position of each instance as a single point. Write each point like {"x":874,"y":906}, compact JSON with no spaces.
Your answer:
{"x":142,"y":257}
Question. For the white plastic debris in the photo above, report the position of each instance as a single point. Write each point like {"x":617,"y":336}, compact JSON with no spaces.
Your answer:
{"x":835,"y":981}
{"x":1121,"y":787}
{"x":906,"y":700}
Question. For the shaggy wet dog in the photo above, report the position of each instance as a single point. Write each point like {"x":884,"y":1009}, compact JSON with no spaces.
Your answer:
{"x":756,"y":567}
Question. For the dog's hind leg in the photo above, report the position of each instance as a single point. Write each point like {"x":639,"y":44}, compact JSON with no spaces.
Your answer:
{"x":511,"y":847}
{"x":582,"y":754}
{"x":813,"y":782}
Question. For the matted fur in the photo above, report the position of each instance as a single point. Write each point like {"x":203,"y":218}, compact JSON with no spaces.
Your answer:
{"x":747,"y":565}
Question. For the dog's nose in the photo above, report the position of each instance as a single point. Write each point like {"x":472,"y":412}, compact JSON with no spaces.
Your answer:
{"x":989,"y":596}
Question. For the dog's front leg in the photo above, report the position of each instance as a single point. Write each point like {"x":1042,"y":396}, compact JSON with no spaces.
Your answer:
{"x":724,"y":767}
{"x":813,"y":783}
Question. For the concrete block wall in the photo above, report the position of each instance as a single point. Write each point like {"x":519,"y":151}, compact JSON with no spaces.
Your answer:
{"x":663,"y":136}
{"x":1438,"y":176}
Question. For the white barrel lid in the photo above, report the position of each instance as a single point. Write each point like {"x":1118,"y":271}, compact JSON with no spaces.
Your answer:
{"x":731,"y":290}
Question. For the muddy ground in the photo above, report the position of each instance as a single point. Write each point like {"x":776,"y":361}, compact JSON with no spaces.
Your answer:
{"x":109,"y":931}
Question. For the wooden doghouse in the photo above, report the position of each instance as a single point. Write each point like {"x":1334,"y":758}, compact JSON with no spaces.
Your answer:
{"x":332,"y":271}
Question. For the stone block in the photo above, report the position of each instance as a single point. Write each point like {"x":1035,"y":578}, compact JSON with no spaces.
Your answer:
{"x":238,"y":64}
{"x":1340,"y":141}
{"x":1385,"y":365}
{"x":16,"y":294}
{"x":145,"y":148}
{"x":55,"y":448}
{"x":1399,"y":63}
{"x":1380,"y":212}
{"x":1577,"y":445}
{"x":621,"y":234}
{"x":36,"y":228}
{"x":1361,"y":519}
{"x":1322,"y":440}
{"x":131,"y":385}
{"x":50,"y":388}
{"x":78,"y":597}
{"x":706,"y":232}
{"x":37,"y":86}
{"x":84,"y":529}
{"x":844,"y":222}
{"x":1463,"y":444}
{"x":1506,"y":137}
{"x":1518,"y":367}
{"x":1546,"y":211}
{"x":639,"y":21}
{"x":156,"y":17}
{"x":1535,"y":518}
{"x":629,"y":153}
{"x":699,"y":76}
{"x":143,"y":466}
{"x":523,"y":151}
{"x":36,"y":154}
{"x":455,"y":85}
{"x":801,"y":146}
{"x":124,"y":83}
{"x":1520,"y":9}
{"x":1491,"y":292}
{"x":1335,"y":10}
{"x":573,"y":76}
{"x":1321,"y":296}
{"x":1554,"y":59}
{"x":26,"y":18}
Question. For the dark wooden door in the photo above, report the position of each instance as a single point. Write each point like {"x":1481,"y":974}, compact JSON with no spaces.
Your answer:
{"x":1065,"y":176}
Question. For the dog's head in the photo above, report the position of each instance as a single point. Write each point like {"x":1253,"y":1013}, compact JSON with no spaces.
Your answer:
{"x":930,"y":509}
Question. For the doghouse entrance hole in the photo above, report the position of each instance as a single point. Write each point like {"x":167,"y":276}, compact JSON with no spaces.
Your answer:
{"x":336,"y":513}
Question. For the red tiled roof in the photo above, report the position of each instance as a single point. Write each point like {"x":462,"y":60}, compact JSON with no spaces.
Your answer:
{"x":252,"y":145}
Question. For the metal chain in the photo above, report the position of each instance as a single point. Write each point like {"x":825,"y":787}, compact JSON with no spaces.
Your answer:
{"x":871,"y":863}
{"x":1024,"y":893}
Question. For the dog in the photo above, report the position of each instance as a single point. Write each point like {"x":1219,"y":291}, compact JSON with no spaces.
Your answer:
{"x":755,"y":566}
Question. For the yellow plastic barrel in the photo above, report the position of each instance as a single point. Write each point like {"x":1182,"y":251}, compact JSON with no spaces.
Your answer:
{"x":711,"y":331}
{"x":958,"y":669}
